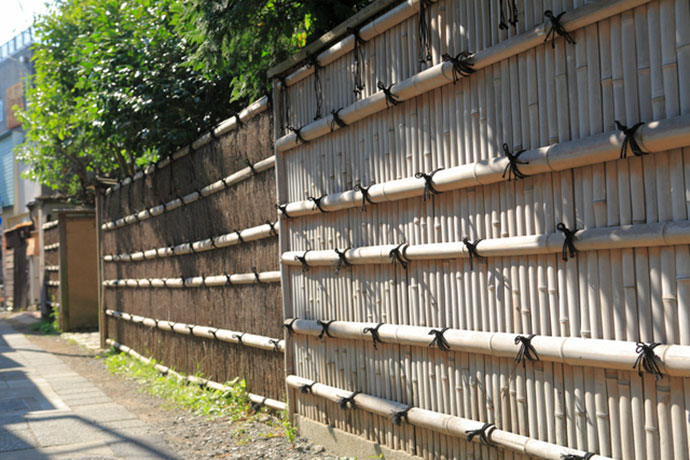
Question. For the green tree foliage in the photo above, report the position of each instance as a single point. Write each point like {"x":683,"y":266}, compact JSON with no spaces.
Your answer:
{"x":119,"y":83}
{"x":239,"y":40}
{"x":112,"y":91}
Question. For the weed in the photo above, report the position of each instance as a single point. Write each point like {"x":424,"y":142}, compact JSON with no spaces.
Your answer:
{"x":232,"y":404}
{"x":290,"y":429}
{"x":48,"y":327}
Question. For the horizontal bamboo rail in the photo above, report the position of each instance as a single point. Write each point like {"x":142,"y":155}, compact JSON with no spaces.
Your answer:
{"x":49,"y":225}
{"x":442,"y":423}
{"x":223,"y":128}
{"x":52,"y":283}
{"x":657,"y":136}
{"x":207,"y":332}
{"x":256,"y":399}
{"x":52,"y":268}
{"x":197,"y":281}
{"x":443,"y":73}
{"x":591,"y":239}
{"x":208,"y":244}
{"x":575,"y":351}
{"x":210,"y":189}
{"x":51,"y":247}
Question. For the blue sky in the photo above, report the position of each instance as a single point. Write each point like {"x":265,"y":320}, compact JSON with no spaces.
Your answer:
{"x":17,"y":15}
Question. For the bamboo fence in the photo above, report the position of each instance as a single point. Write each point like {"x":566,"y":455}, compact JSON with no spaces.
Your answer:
{"x":189,"y":253}
{"x":50,"y":288}
{"x":386,"y":191}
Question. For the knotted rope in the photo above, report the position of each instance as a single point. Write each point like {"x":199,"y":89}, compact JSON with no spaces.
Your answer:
{"x":462,"y":64}
{"x":359,"y":58}
{"x":526,"y":351}
{"x":336,"y":120}
{"x":513,"y":166}
{"x":365,"y":195}
{"x":289,"y":327}
{"x":318,"y":90}
{"x":346,"y":402}
{"x":317,"y":202}
{"x":342,"y":260}
{"x":391,"y":99}
{"x":568,"y":244}
{"x":400,"y":415}
{"x":556,"y":28}
{"x":439,"y":340}
{"x":298,"y":134}
{"x":374,"y":331}
{"x":512,"y":12}
{"x":647,"y":360}
{"x":424,"y":31}
{"x":397,"y":256}
{"x":472,"y":250}
{"x":429,"y":189}
{"x":325,"y":325}
{"x":303,"y":260}
{"x":482,"y":432}
{"x":629,"y":140}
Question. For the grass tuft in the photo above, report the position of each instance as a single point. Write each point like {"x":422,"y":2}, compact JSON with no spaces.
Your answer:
{"x":233,"y":404}
{"x":48,"y":327}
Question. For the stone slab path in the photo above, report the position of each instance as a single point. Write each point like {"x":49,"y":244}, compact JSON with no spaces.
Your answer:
{"x":48,"y":411}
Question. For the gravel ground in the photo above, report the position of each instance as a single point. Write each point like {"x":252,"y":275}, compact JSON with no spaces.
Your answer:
{"x":193,"y":437}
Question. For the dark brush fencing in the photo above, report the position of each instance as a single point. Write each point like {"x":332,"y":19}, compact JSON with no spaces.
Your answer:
{"x":223,"y":280}
{"x":51,"y":272}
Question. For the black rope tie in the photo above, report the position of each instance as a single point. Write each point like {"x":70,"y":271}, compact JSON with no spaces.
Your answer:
{"x":391,"y":99}
{"x":513,"y":166}
{"x":424,"y":31}
{"x":289,"y":327}
{"x":283,"y":209}
{"x":238,"y":120}
{"x":228,"y":279}
{"x":397,"y":256}
{"x":307,"y":388}
{"x":348,"y":402}
{"x":318,"y":90}
{"x":191,"y":330}
{"x":439,"y":340}
{"x":251,"y":166}
{"x":400,"y":415}
{"x":374,"y":331}
{"x":317,"y":202}
{"x":171,"y":325}
{"x":191,"y":248}
{"x":298,"y":134}
{"x":325,"y":325}
{"x":165,"y":206}
{"x":472,"y":250}
{"x":512,"y":8}
{"x":272,"y":228}
{"x":212,"y":133}
{"x":647,"y":360}
{"x":212,"y":332}
{"x":238,"y":337}
{"x":256,"y":276}
{"x":587,"y":456}
{"x":184,"y":281}
{"x":359,"y":58}
{"x":336,"y":120}
{"x":482,"y":432}
{"x":213,"y":242}
{"x":556,"y":28}
{"x":303,"y":261}
{"x":462,"y":64}
{"x":182,"y":203}
{"x":365,"y":195}
{"x":568,"y":244}
{"x":342,"y":260}
{"x":276,"y":344}
{"x":429,"y":189}
{"x":526,"y":351}
{"x":629,"y":140}
{"x":256,"y":407}
{"x":285,"y":102}
{"x":239,"y":236}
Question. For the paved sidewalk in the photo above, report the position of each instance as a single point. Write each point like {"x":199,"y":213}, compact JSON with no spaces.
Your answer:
{"x":48,"y":411}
